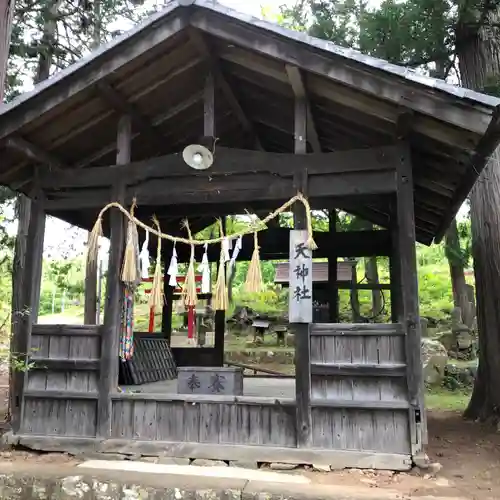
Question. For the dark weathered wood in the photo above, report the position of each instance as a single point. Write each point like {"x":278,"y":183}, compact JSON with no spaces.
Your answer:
{"x":299,"y":89}
{"x":34,"y":152}
{"x":114,"y":291}
{"x":395,"y":275}
{"x":113,"y":97}
{"x":409,"y":298}
{"x":90,"y":300}
{"x":235,"y":188}
{"x":335,"y":69}
{"x":358,"y":370}
{"x":358,"y":329}
{"x":106,"y":65}
{"x":36,"y":277}
{"x":44,"y":394}
{"x":67,"y":330}
{"x":362,"y":405}
{"x":301,"y":331}
{"x":209,"y":107}
{"x":201,"y":44}
{"x":333,"y":290}
{"x":231,"y":161}
{"x":338,"y":459}
{"x":34,"y":251}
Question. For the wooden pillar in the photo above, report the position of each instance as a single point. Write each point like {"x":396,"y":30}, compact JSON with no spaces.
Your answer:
{"x":409,"y":299}
{"x":302,"y":342}
{"x":333,"y":290}
{"x":395,"y":273}
{"x":209,"y":132}
{"x":108,"y":379}
{"x":90,"y":302}
{"x":22,"y":341}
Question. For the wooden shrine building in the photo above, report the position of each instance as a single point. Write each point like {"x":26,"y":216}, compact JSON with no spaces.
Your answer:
{"x":291,"y":114}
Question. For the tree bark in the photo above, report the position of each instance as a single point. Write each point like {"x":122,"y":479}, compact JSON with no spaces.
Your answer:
{"x":479,"y":57}
{"x":23,"y":203}
{"x":6,"y":15}
{"x":458,"y":283}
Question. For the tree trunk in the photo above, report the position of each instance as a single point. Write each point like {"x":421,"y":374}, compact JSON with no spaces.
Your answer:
{"x":458,"y":283}
{"x":6,"y":14}
{"x":23,"y":204}
{"x":479,"y":56}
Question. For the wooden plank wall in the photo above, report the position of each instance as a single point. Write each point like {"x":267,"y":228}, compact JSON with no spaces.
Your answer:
{"x":61,"y":388}
{"x":214,"y":420}
{"x":359,"y":394}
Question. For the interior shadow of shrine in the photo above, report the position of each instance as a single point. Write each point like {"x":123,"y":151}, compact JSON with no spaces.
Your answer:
{"x":281,"y":113}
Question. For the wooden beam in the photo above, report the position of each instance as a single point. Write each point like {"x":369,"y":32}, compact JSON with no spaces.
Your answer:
{"x":166,"y":24}
{"x":157,"y":120}
{"x":198,"y":40}
{"x":299,"y":89}
{"x":230,"y":161}
{"x":108,"y":378}
{"x":122,"y":106}
{"x":209,"y":107}
{"x":320,"y":60}
{"x":34,"y":152}
{"x":233,"y":189}
{"x":409,"y":300}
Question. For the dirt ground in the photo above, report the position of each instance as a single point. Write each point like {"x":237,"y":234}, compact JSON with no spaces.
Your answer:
{"x":468,"y":452}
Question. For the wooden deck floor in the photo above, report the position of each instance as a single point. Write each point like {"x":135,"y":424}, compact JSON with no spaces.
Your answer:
{"x":252,"y":386}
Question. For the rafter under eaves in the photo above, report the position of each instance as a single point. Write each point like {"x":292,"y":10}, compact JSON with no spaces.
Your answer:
{"x":299,"y":89}
{"x":198,"y":40}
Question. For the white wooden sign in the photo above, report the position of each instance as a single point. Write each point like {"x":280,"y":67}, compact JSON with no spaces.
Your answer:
{"x":300,"y":303}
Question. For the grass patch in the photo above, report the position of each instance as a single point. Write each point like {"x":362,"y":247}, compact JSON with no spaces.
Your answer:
{"x":442,"y":399}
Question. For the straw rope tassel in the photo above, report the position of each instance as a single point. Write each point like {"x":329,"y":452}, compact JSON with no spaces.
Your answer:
{"x":130,"y":267}
{"x":253,"y":283}
{"x":221,"y":299}
{"x":156,"y":295}
{"x":190,"y":297}
{"x":93,"y":243}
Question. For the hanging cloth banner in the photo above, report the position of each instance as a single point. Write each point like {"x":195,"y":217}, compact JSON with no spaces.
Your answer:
{"x":173,"y":269}
{"x":144,"y":256}
{"x":225,"y":249}
{"x":204,"y":269}
{"x":236,"y":251}
{"x":127,"y":334}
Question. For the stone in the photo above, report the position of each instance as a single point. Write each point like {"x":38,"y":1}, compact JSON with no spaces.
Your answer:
{"x":282,"y":466}
{"x":100,"y":456}
{"x":173,"y":461}
{"x":424,"y":323}
{"x":244,"y":465}
{"x":421,"y":461}
{"x":202,"y":462}
{"x":321,"y":467}
{"x":150,"y":460}
{"x":442,"y":481}
{"x":434,"y":468}
{"x":434,"y":361}
{"x":448,"y":340}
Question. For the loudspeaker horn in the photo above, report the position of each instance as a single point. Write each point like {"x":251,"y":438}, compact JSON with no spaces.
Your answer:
{"x":198,"y":157}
